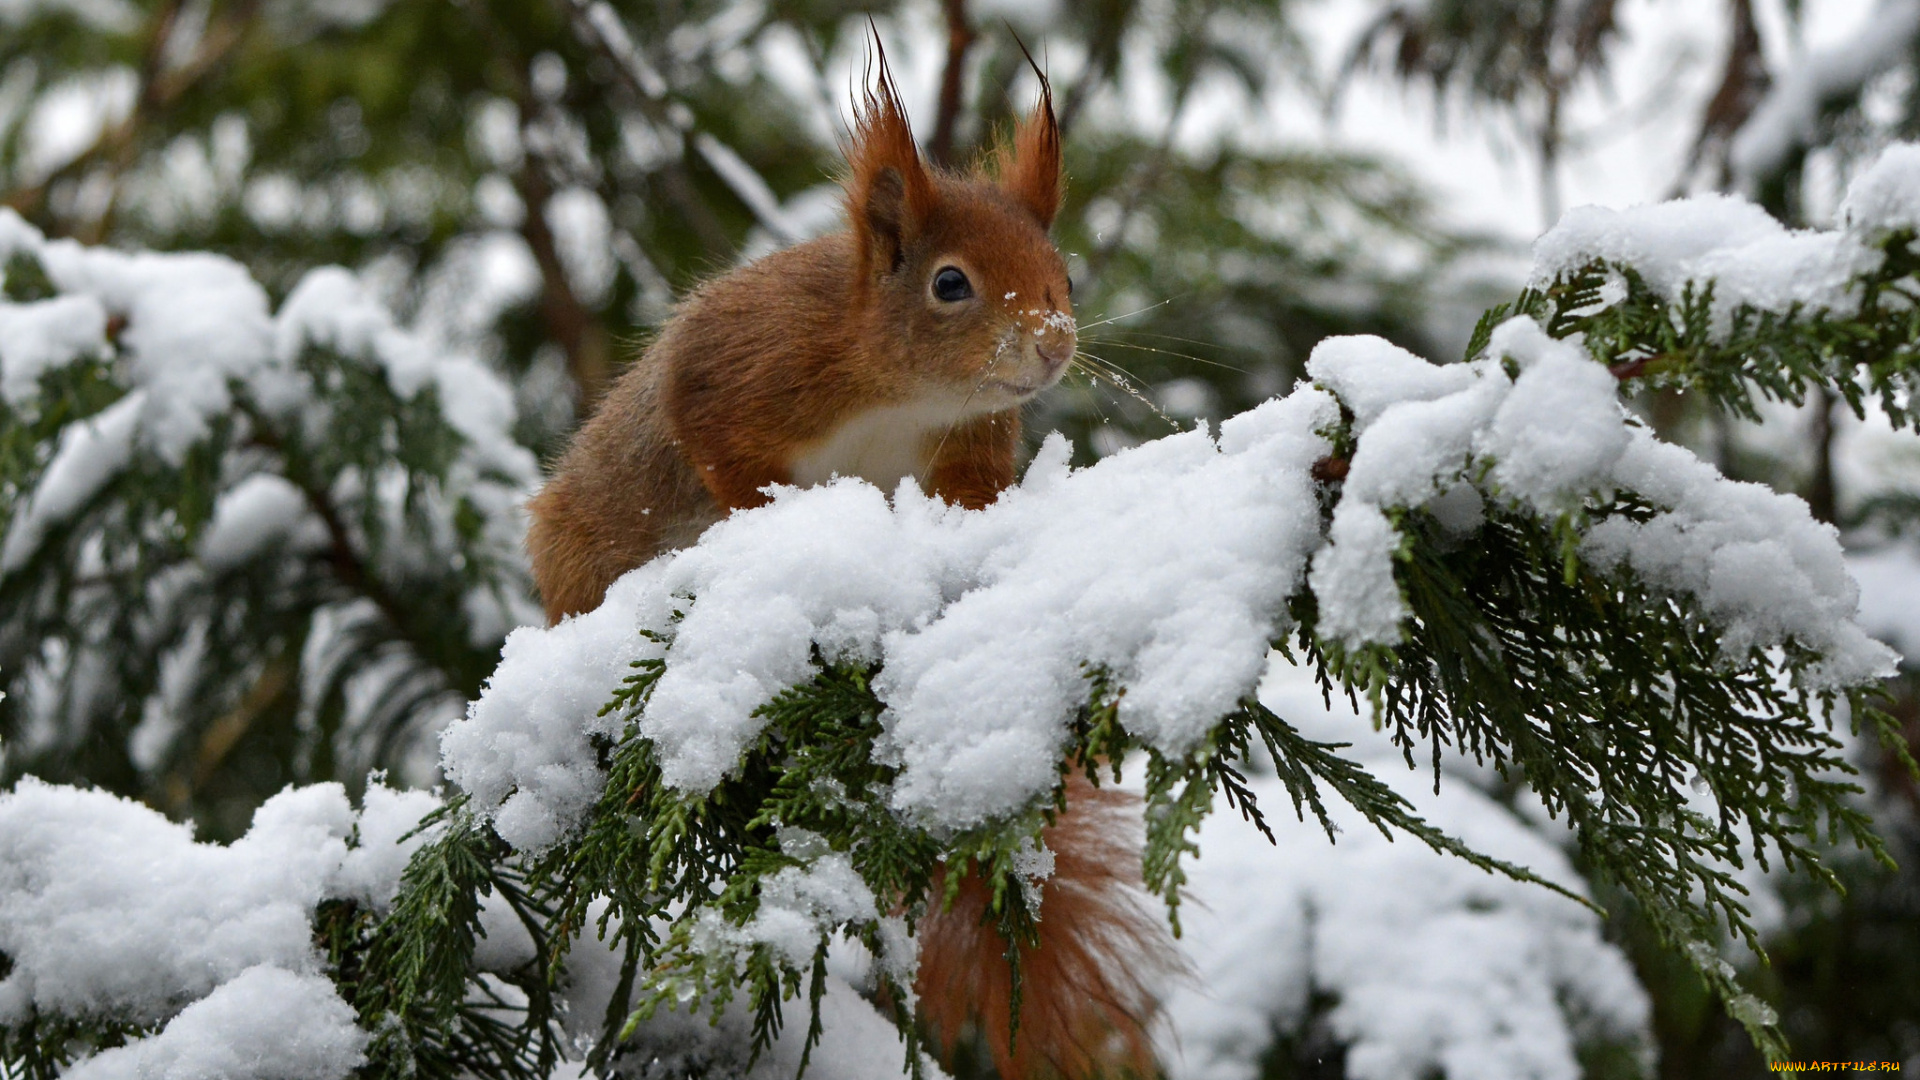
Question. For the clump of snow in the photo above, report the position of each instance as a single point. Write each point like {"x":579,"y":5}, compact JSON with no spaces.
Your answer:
{"x":1559,"y":431}
{"x":797,"y":905}
{"x":91,"y":453}
{"x":370,"y":871}
{"x":265,"y":1024}
{"x":984,"y":620}
{"x":36,"y":337}
{"x":1748,"y":256}
{"x":1887,"y":194}
{"x":1756,"y":561}
{"x":107,"y":909}
{"x":524,"y":750}
{"x":254,"y":515}
{"x":1437,"y":968}
{"x":1368,"y":374}
{"x":1550,"y":436}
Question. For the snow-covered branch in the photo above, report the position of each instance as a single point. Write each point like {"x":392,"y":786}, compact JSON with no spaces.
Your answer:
{"x":167,"y":436}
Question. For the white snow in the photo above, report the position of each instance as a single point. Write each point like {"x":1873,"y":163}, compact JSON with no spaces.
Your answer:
{"x":1756,"y":561}
{"x":91,"y":453}
{"x":108,"y":909}
{"x":1887,"y":194}
{"x":797,"y":906}
{"x":266,"y":1024}
{"x":1437,"y":968}
{"x":259,"y":511}
{"x":1550,"y":435}
{"x":46,"y":334}
{"x":984,"y":620}
{"x":1748,"y":256}
{"x":370,"y":871}
{"x":192,"y":329}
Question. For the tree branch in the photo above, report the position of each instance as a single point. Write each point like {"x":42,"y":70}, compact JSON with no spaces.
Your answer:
{"x":648,"y":91}
{"x":570,"y":322}
{"x":946,"y":122}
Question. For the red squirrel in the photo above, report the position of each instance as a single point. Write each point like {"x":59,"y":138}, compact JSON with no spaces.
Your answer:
{"x":902,"y":346}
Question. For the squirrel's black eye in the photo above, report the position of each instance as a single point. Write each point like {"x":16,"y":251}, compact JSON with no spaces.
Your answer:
{"x":1069,"y":286}
{"x":951,"y":285}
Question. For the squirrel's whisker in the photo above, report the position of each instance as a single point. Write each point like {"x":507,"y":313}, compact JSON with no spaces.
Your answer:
{"x":1128,"y":315}
{"x":1105,"y":373}
{"x":1113,"y":342}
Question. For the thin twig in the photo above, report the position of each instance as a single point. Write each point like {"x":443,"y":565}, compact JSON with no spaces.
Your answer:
{"x":946,"y":122}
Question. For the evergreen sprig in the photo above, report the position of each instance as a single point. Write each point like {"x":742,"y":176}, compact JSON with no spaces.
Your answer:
{"x":113,"y":615}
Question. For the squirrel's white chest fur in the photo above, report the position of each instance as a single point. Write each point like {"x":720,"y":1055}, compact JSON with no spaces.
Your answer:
{"x":882,"y":446}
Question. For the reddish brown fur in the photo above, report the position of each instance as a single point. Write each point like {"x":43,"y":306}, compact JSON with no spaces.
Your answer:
{"x":758,"y":379}
{"x":1087,"y":987}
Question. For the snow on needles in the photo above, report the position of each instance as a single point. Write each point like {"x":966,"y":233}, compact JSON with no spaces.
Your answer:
{"x":108,"y":909}
{"x":1749,"y":257}
{"x":185,"y":333}
{"x":1756,"y":561}
{"x":985,"y":622}
{"x":1167,"y":565}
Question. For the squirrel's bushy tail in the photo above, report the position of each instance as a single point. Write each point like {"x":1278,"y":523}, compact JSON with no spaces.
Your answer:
{"x":1088,"y":988}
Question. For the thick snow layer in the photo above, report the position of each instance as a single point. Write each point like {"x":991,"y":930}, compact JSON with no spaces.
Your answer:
{"x":985,"y":621}
{"x":1788,"y":118}
{"x":191,"y":336}
{"x":1748,"y":256}
{"x":1436,"y":968}
{"x":1755,"y":560}
{"x":43,"y":335}
{"x":108,"y":909}
{"x":266,"y":1024}
{"x":105,"y":906}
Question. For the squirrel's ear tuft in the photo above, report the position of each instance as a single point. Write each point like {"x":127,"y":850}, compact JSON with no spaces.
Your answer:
{"x":1029,"y":163}
{"x":889,"y":194}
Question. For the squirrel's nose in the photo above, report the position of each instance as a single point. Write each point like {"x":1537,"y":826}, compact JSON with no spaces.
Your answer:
{"x":1056,"y":353}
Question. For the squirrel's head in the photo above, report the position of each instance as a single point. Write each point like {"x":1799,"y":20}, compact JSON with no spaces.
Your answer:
{"x":957,"y":268}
